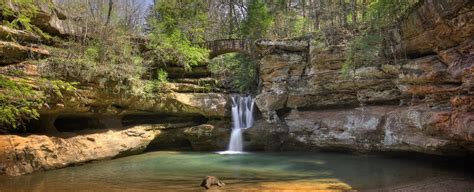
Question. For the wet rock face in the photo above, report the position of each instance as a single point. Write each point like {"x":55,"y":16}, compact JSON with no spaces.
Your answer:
{"x":21,"y":155}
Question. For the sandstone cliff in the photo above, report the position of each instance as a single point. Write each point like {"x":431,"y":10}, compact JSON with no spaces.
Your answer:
{"x":423,"y":104}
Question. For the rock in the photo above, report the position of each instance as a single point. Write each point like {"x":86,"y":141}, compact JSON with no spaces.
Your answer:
{"x":51,"y":20}
{"x":276,"y":72}
{"x":357,"y":129}
{"x":195,"y":72}
{"x":207,"y":137}
{"x":327,"y":57}
{"x":184,"y":104}
{"x":286,"y":45}
{"x":12,"y":53}
{"x":437,"y":25}
{"x":437,"y":82}
{"x":274,"y":134}
{"x":191,"y":88}
{"x":206,"y":104}
{"x":204,"y":137}
{"x":209,"y":181}
{"x":458,"y":59}
{"x":10,"y":34}
{"x":198,"y":81}
{"x":370,"y":73}
{"x":424,"y":70}
{"x":374,"y":128}
{"x":26,"y":154}
{"x":270,"y":101}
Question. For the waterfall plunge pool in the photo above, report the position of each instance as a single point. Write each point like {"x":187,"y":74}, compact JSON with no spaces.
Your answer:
{"x":183,"y":171}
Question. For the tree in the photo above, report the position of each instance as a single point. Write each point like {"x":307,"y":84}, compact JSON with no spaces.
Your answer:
{"x":176,"y":28}
{"x":258,"y":20}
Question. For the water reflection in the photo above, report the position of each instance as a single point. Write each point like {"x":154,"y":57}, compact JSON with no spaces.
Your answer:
{"x":168,"y":171}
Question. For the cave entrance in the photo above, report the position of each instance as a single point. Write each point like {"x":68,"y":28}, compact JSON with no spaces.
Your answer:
{"x":78,"y":123}
{"x":168,"y":120}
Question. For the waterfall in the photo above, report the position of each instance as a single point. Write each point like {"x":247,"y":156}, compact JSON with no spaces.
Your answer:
{"x":242,"y":118}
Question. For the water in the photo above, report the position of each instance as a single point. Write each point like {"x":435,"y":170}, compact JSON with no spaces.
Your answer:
{"x":242,"y":118}
{"x":183,"y":171}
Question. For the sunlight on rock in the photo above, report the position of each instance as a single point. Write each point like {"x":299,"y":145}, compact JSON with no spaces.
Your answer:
{"x":304,"y":185}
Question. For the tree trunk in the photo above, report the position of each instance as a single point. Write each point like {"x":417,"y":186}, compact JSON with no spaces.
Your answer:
{"x":317,"y":15}
{"x":109,"y":12}
{"x":343,"y":12}
{"x":304,"y":14}
{"x":364,"y":8}
{"x":354,"y":12}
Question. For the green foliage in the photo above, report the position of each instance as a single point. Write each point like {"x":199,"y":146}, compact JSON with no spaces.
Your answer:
{"x":112,"y":64}
{"x":21,"y":14}
{"x":20,"y":101}
{"x":157,"y":85}
{"x":54,"y":89}
{"x":258,"y":21}
{"x":162,"y":76}
{"x":175,"y":48}
{"x":288,"y":25}
{"x":386,"y":12}
{"x":176,"y":28}
{"x":236,"y":68}
{"x":14,"y":72}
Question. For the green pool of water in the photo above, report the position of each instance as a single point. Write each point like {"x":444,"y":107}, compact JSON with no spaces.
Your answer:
{"x":183,"y":171}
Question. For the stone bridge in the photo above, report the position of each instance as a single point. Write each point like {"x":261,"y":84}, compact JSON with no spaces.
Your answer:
{"x":223,"y":46}
{"x":254,"y":48}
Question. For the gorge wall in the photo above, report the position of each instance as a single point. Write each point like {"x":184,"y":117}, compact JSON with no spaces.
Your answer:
{"x":424,"y":104}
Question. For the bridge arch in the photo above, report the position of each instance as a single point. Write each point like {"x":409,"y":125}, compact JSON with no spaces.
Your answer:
{"x":219,"y":47}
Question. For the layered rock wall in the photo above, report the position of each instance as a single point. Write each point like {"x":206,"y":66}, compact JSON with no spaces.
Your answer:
{"x":423,"y":104}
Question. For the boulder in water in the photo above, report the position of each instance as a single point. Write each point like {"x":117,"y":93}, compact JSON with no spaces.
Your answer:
{"x":209,"y":181}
